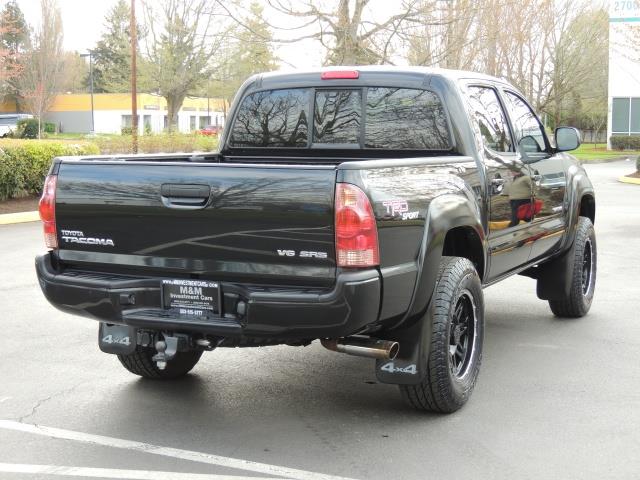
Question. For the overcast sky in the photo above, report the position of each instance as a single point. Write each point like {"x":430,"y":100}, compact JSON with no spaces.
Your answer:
{"x":82,"y":20}
{"x":83,"y":23}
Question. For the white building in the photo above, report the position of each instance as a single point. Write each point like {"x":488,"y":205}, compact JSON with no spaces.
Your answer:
{"x":624,"y":68}
{"x":111,"y":112}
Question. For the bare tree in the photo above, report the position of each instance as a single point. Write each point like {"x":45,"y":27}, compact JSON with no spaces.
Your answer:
{"x":447,"y":34}
{"x":14,"y":40}
{"x":184,"y":38}
{"x":41,"y":76}
{"x":545,"y":48}
{"x":346,"y":30}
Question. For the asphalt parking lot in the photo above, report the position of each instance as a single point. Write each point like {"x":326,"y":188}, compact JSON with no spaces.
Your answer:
{"x":555,"y":398}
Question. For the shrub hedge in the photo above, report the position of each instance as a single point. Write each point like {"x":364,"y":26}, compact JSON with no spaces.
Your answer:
{"x":28,"y":128}
{"x":25,"y":163}
{"x":157,"y":143}
{"x":625,"y":142}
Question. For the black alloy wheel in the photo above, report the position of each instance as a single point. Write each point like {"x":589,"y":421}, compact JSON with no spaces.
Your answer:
{"x":579,"y":273}
{"x":462,"y":332}
{"x":587,"y":267}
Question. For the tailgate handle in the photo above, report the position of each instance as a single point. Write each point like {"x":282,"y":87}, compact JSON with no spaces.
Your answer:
{"x":184,"y":196}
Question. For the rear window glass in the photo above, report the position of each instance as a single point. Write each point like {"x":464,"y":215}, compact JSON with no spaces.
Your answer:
{"x":403,"y":118}
{"x":394,"y":119}
{"x":273,"y":118}
{"x":337,"y":116}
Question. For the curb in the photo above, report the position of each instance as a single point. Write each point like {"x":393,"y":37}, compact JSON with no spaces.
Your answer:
{"x":596,"y":161}
{"x":20,"y":217}
{"x":633,"y":181}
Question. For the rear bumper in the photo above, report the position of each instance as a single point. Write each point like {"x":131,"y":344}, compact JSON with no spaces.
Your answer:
{"x":270,"y":314}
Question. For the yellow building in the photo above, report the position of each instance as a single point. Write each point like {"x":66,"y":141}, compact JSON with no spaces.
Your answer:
{"x":112,"y":111}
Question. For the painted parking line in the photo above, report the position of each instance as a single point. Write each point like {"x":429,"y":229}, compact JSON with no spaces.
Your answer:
{"x":228,"y":462}
{"x":115,"y":473}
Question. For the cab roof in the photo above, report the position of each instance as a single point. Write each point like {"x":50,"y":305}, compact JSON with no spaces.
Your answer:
{"x":371,"y":72}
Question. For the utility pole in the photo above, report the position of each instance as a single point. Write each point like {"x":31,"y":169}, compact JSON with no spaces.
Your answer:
{"x":134,"y":85}
{"x":90,"y":55}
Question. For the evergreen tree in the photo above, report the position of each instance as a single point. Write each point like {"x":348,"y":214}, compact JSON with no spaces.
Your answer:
{"x":251,"y":53}
{"x":255,"y":49}
{"x":112,"y":55}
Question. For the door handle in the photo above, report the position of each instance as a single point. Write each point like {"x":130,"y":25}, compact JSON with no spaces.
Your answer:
{"x":183,"y":196}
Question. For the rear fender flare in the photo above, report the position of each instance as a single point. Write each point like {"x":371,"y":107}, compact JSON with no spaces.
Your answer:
{"x":444,"y":214}
{"x":413,"y":332}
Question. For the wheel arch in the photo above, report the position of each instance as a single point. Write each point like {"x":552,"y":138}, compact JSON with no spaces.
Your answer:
{"x":588,"y":207}
{"x":581,"y":202}
{"x":465,"y":242}
{"x":453,"y":228}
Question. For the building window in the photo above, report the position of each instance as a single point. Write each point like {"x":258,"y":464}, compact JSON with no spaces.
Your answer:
{"x":192,"y":123}
{"x":147,"y":123}
{"x":625,"y":116}
{"x":634,"y":116}
{"x":205,"y":121}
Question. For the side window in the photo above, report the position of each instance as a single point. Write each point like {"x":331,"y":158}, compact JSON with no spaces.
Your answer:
{"x":491,"y":120}
{"x":528,"y":131}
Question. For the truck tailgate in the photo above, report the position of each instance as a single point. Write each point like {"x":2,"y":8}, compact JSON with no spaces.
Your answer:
{"x":245,"y":223}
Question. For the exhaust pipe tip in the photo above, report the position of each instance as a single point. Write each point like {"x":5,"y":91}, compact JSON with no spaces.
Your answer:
{"x":363,"y":347}
{"x":394,"y":349}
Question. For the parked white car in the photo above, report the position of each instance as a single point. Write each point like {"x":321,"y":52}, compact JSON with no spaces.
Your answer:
{"x":9,"y":122}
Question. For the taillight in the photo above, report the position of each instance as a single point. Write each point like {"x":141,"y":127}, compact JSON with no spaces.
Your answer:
{"x":356,"y":231}
{"x":47,"y":208}
{"x":340,"y":74}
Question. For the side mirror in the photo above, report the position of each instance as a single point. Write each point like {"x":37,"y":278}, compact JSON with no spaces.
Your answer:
{"x":567,"y":139}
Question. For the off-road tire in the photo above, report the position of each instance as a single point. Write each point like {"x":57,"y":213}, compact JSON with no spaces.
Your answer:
{"x":440,"y":390}
{"x":578,"y":301}
{"x":140,"y":363}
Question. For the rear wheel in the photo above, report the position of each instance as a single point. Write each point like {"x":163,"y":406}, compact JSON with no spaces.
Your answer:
{"x":456,"y":317}
{"x":582,"y":274}
{"x":140,"y":362}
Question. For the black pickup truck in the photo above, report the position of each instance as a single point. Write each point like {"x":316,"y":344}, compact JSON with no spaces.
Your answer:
{"x":365,"y":207}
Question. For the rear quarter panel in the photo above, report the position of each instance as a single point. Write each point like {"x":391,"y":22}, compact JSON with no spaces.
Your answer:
{"x":415,"y":202}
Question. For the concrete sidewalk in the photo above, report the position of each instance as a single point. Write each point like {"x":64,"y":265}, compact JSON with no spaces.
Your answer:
{"x":20,"y":217}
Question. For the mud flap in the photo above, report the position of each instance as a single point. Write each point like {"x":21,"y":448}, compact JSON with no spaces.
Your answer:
{"x":554,"y":278}
{"x":409,"y":367}
{"x":117,"y":339}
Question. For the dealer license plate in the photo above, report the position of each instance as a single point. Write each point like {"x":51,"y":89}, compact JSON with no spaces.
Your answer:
{"x":190,"y":297}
